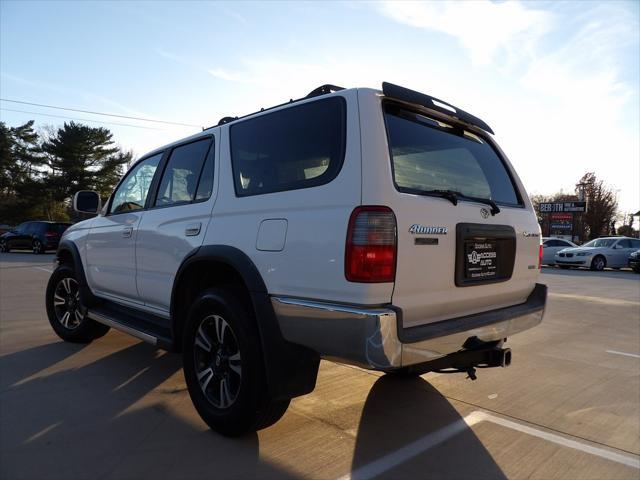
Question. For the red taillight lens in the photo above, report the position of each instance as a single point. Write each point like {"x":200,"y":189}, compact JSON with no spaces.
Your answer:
{"x":370,"y":255}
{"x":540,"y":255}
{"x":50,"y":234}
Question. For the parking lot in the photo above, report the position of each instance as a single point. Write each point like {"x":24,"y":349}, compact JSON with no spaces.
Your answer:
{"x":568,"y":406}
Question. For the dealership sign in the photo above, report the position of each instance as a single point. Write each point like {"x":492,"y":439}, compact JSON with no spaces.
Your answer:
{"x":563,"y":207}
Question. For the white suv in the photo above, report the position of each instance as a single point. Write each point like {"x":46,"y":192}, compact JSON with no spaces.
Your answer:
{"x":384,"y":229}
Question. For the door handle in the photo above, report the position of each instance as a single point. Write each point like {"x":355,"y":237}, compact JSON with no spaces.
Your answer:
{"x":127,"y":231}
{"x":193,"y":229}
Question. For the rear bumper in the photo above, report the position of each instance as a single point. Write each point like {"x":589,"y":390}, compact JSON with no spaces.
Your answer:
{"x":374,"y":338}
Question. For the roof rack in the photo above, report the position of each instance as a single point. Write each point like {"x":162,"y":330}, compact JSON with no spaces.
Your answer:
{"x":316,"y":92}
{"x":323,"y":90}
{"x":411,"y":96}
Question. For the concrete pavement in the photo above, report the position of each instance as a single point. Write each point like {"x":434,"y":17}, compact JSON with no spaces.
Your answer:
{"x":568,"y":407}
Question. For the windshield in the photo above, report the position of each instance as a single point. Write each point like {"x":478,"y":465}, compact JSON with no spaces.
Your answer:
{"x":600,"y":242}
{"x":430,"y":155}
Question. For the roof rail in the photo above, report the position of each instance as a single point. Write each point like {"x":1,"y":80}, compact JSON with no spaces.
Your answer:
{"x":323,"y":90}
{"x":411,"y":96}
{"x":224,"y":120}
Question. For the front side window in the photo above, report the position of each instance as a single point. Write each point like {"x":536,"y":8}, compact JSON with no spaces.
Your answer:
{"x":297,"y":147}
{"x":429,"y":155}
{"x":180,"y":179}
{"x":132,"y":193}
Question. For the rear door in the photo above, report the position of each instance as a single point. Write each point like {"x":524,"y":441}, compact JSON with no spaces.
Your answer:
{"x":176,"y":221}
{"x":110,"y":254}
{"x":456,"y":255}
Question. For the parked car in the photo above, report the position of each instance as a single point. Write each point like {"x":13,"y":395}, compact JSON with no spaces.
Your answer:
{"x":38,"y":236}
{"x":599,"y":253}
{"x":376,"y":228}
{"x":634,"y":261}
{"x":551,"y":246}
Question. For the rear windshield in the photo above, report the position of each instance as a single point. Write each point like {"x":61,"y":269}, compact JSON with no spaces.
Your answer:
{"x":430,"y":155}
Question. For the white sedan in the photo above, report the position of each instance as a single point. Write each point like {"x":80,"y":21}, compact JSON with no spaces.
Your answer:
{"x":551,"y":246}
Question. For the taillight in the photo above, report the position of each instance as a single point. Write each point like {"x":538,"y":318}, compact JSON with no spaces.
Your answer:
{"x":540,"y":255}
{"x":370,"y":255}
{"x":50,"y":234}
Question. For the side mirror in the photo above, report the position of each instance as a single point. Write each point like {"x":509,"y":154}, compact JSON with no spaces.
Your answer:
{"x":86,"y":201}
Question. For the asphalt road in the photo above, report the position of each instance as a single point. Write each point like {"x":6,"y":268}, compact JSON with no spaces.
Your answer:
{"x":568,"y":407}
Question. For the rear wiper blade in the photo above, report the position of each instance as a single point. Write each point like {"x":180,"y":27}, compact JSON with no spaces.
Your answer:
{"x":454,"y":195}
{"x":450,"y":195}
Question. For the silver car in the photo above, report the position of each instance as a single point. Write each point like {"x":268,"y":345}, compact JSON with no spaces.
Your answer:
{"x":599,"y":253}
{"x":551,"y":246}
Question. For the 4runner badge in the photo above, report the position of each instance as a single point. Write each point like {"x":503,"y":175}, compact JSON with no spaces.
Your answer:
{"x":417,"y":229}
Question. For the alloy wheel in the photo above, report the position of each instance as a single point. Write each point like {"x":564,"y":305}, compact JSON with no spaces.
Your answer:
{"x":598,"y":264}
{"x":66,"y":303}
{"x":3,"y":247}
{"x":37,"y":247}
{"x":218,"y":362}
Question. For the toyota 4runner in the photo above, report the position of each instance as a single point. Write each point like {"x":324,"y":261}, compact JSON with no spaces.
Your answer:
{"x":384,"y":229}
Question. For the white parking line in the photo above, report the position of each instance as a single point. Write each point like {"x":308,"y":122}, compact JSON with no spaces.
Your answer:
{"x":423,"y":444}
{"x":603,"y":300}
{"x":615,"y":352}
{"x":44,"y":269}
{"x":414,"y":449}
{"x":625,"y":459}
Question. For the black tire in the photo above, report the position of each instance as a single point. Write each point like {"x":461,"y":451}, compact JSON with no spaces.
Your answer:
{"x":220,"y":321}
{"x":565,"y":267}
{"x":62,"y":299}
{"x":37,"y":247}
{"x":598,"y":263}
{"x":637,"y":269}
{"x":4,"y":248}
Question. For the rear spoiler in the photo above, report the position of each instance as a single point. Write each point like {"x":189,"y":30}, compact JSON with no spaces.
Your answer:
{"x":411,"y":96}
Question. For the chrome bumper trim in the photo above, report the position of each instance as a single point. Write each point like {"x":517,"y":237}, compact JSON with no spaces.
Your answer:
{"x":369,"y":337}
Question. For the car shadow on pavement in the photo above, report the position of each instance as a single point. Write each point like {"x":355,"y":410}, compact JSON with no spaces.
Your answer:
{"x":404,"y":411}
{"x":19,"y":366}
{"x":123,"y":415}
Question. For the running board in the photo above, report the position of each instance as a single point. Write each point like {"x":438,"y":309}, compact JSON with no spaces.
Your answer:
{"x":110,"y":322}
{"x":146,"y":326}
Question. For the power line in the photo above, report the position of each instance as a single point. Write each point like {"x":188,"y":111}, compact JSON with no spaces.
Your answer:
{"x":101,"y":113}
{"x":82,"y":119}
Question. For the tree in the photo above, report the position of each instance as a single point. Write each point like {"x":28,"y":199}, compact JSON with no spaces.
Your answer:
{"x":602,"y":206}
{"x":83,"y":158}
{"x":21,"y":180}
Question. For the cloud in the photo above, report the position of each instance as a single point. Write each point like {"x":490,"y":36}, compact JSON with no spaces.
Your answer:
{"x":482,"y":27}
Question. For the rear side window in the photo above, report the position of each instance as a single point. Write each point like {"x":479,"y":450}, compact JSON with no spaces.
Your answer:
{"x":180,"y":179}
{"x":298,"y":147}
{"x":430,"y":155}
{"x":635,"y":243}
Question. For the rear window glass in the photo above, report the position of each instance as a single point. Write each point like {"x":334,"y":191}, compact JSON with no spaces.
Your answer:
{"x":297,"y":147}
{"x":431,"y":155}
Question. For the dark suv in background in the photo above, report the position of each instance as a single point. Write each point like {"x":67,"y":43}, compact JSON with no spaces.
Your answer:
{"x":36,"y":236}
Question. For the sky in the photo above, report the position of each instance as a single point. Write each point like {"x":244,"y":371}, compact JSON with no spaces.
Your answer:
{"x":557,"y":81}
